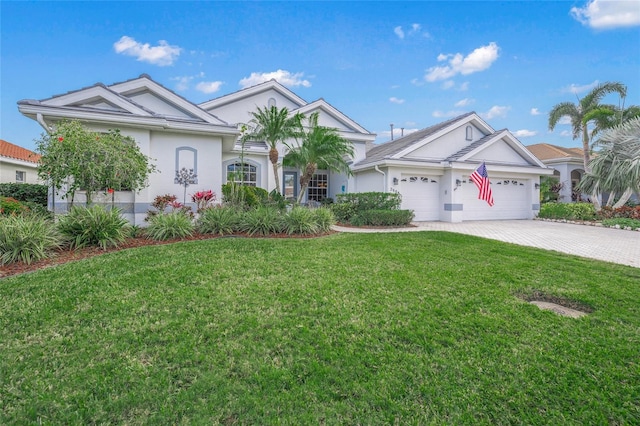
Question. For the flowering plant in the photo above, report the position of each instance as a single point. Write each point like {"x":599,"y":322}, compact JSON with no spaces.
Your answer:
{"x":203,"y":198}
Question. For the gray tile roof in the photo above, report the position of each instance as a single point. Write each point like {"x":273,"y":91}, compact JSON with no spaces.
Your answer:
{"x":390,"y":148}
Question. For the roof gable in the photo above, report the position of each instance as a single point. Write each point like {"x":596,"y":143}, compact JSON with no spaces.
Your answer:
{"x":97,"y":97}
{"x":162,"y":101}
{"x":500,"y":147}
{"x":329,"y":116}
{"x":258,"y":91}
{"x":545,"y":151}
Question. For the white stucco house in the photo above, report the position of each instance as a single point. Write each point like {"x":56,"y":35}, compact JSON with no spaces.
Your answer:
{"x":18,"y":164}
{"x":568,"y":166}
{"x":430,"y":168}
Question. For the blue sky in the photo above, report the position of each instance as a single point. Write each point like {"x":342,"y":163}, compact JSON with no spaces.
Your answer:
{"x":412,"y":64}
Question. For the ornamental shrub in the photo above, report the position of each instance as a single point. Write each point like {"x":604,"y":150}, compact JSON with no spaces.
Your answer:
{"x":372,"y":200}
{"x":324,"y":218}
{"x":27,"y":238}
{"x":382,"y":218}
{"x":568,"y":211}
{"x":622,"y":223}
{"x":219,"y":220}
{"x":25,"y":192}
{"x":300,"y":220}
{"x":176,"y":224}
{"x":9,"y":206}
{"x":262,"y":221}
{"x":627,"y":212}
{"x":93,"y":226}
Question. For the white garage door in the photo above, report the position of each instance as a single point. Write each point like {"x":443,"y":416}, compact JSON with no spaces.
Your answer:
{"x":512,"y":200}
{"x":421,"y":194}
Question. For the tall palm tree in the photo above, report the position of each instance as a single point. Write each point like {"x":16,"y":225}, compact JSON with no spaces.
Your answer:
{"x":616,"y":168}
{"x":321,"y":148}
{"x":274,"y":126}
{"x":584,"y":112}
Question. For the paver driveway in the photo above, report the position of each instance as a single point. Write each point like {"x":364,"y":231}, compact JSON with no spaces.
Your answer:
{"x":595,"y":242}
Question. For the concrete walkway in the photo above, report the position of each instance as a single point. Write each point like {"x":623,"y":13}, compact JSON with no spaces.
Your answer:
{"x":594,"y":242}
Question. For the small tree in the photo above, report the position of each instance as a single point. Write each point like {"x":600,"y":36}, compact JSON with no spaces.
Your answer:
{"x":91,"y":161}
{"x":321,"y":148}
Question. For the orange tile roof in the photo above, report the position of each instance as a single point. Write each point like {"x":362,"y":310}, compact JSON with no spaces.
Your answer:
{"x":10,"y":150}
{"x":545,"y":151}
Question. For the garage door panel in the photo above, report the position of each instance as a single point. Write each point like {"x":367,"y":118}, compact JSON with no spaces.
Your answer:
{"x":422,"y":195}
{"x":511,"y":201}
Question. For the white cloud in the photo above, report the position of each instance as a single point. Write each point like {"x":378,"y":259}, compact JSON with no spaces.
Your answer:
{"x":608,"y":14}
{"x":524,"y":133}
{"x":185,"y":81}
{"x":566,"y":133}
{"x":395,"y":100}
{"x":478,"y":60}
{"x":535,"y":111}
{"x":464,"y":102}
{"x":448,"y":84}
{"x":496,"y":111}
{"x":209,"y":86}
{"x":417,"y":82}
{"x":398,"y":31}
{"x":162,"y":55}
{"x":414,"y":30}
{"x":447,"y":114}
{"x":281,"y":76}
{"x":464,"y":87}
{"x":575,"y":89}
{"x":564,"y":120}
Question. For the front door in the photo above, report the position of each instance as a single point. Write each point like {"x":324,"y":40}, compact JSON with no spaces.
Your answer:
{"x":290,"y":185}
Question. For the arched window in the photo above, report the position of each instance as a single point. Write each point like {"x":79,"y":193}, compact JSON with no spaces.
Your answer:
{"x":469,"y":136}
{"x":187,"y":158}
{"x":271,"y":102}
{"x":238,"y":172}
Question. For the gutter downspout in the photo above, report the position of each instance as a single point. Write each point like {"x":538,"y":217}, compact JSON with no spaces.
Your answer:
{"x":41,"y":122}
{"x":383,"y":174}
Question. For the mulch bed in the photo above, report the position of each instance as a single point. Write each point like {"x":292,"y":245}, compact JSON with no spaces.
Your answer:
{"x":63,"y":256}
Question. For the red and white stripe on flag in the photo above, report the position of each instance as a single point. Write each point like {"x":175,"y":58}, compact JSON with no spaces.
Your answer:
{"x":481,"y":179}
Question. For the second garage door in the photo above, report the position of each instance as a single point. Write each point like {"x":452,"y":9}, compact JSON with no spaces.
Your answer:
{"x":511,"y":200}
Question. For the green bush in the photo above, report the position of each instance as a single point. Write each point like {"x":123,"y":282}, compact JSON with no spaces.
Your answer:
{"x":343,"y":212}
{"x":93,"y":226}
{"x":171,"y":225}
{"x":27,"y":238}
{"x":324,"y":219}
{"x":262,"y":221}
{"x":25,"y":192}
{"x":219,"y":220}
{"x":300,"y":220}
{"x":382,"y":218}
{"x":568,"y":211}
{"x":371,"y":200}
{"x":9,"y":206}
{"x":622,"y":223}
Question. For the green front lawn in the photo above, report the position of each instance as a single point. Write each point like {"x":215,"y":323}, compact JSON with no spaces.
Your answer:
{"x":406,"y":328}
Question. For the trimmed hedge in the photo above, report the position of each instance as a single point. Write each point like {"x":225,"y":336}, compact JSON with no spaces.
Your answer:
{"x":25,"y":192}
{"x":371,"y":200}
{"x":382,"y":218}
{"x":569,"y":211}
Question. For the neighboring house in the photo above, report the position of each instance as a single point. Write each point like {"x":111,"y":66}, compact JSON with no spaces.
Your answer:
{"x":430,"y":168}
{"x":568,"y":165}
{"x":17,"y":164}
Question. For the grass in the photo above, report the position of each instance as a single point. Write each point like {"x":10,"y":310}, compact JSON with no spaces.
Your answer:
{"x":406,"y":328}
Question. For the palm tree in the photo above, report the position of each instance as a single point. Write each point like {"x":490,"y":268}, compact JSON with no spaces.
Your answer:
{"x":616,"y":168}
{"x":586,"y":110}
{"x":321,"y":148}
{"x":273,"y":126}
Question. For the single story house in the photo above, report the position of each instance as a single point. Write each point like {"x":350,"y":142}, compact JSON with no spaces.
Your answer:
{"x":430,"y":168}
{"x":18,"y":164}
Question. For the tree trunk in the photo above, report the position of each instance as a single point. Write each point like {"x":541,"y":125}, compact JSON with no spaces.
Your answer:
{"x":586,"y":157}
{"x":273,"y":157}
{"x":623,"y":198}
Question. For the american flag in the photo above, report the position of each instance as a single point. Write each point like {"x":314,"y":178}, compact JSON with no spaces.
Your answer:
{"x":481,"y":179}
